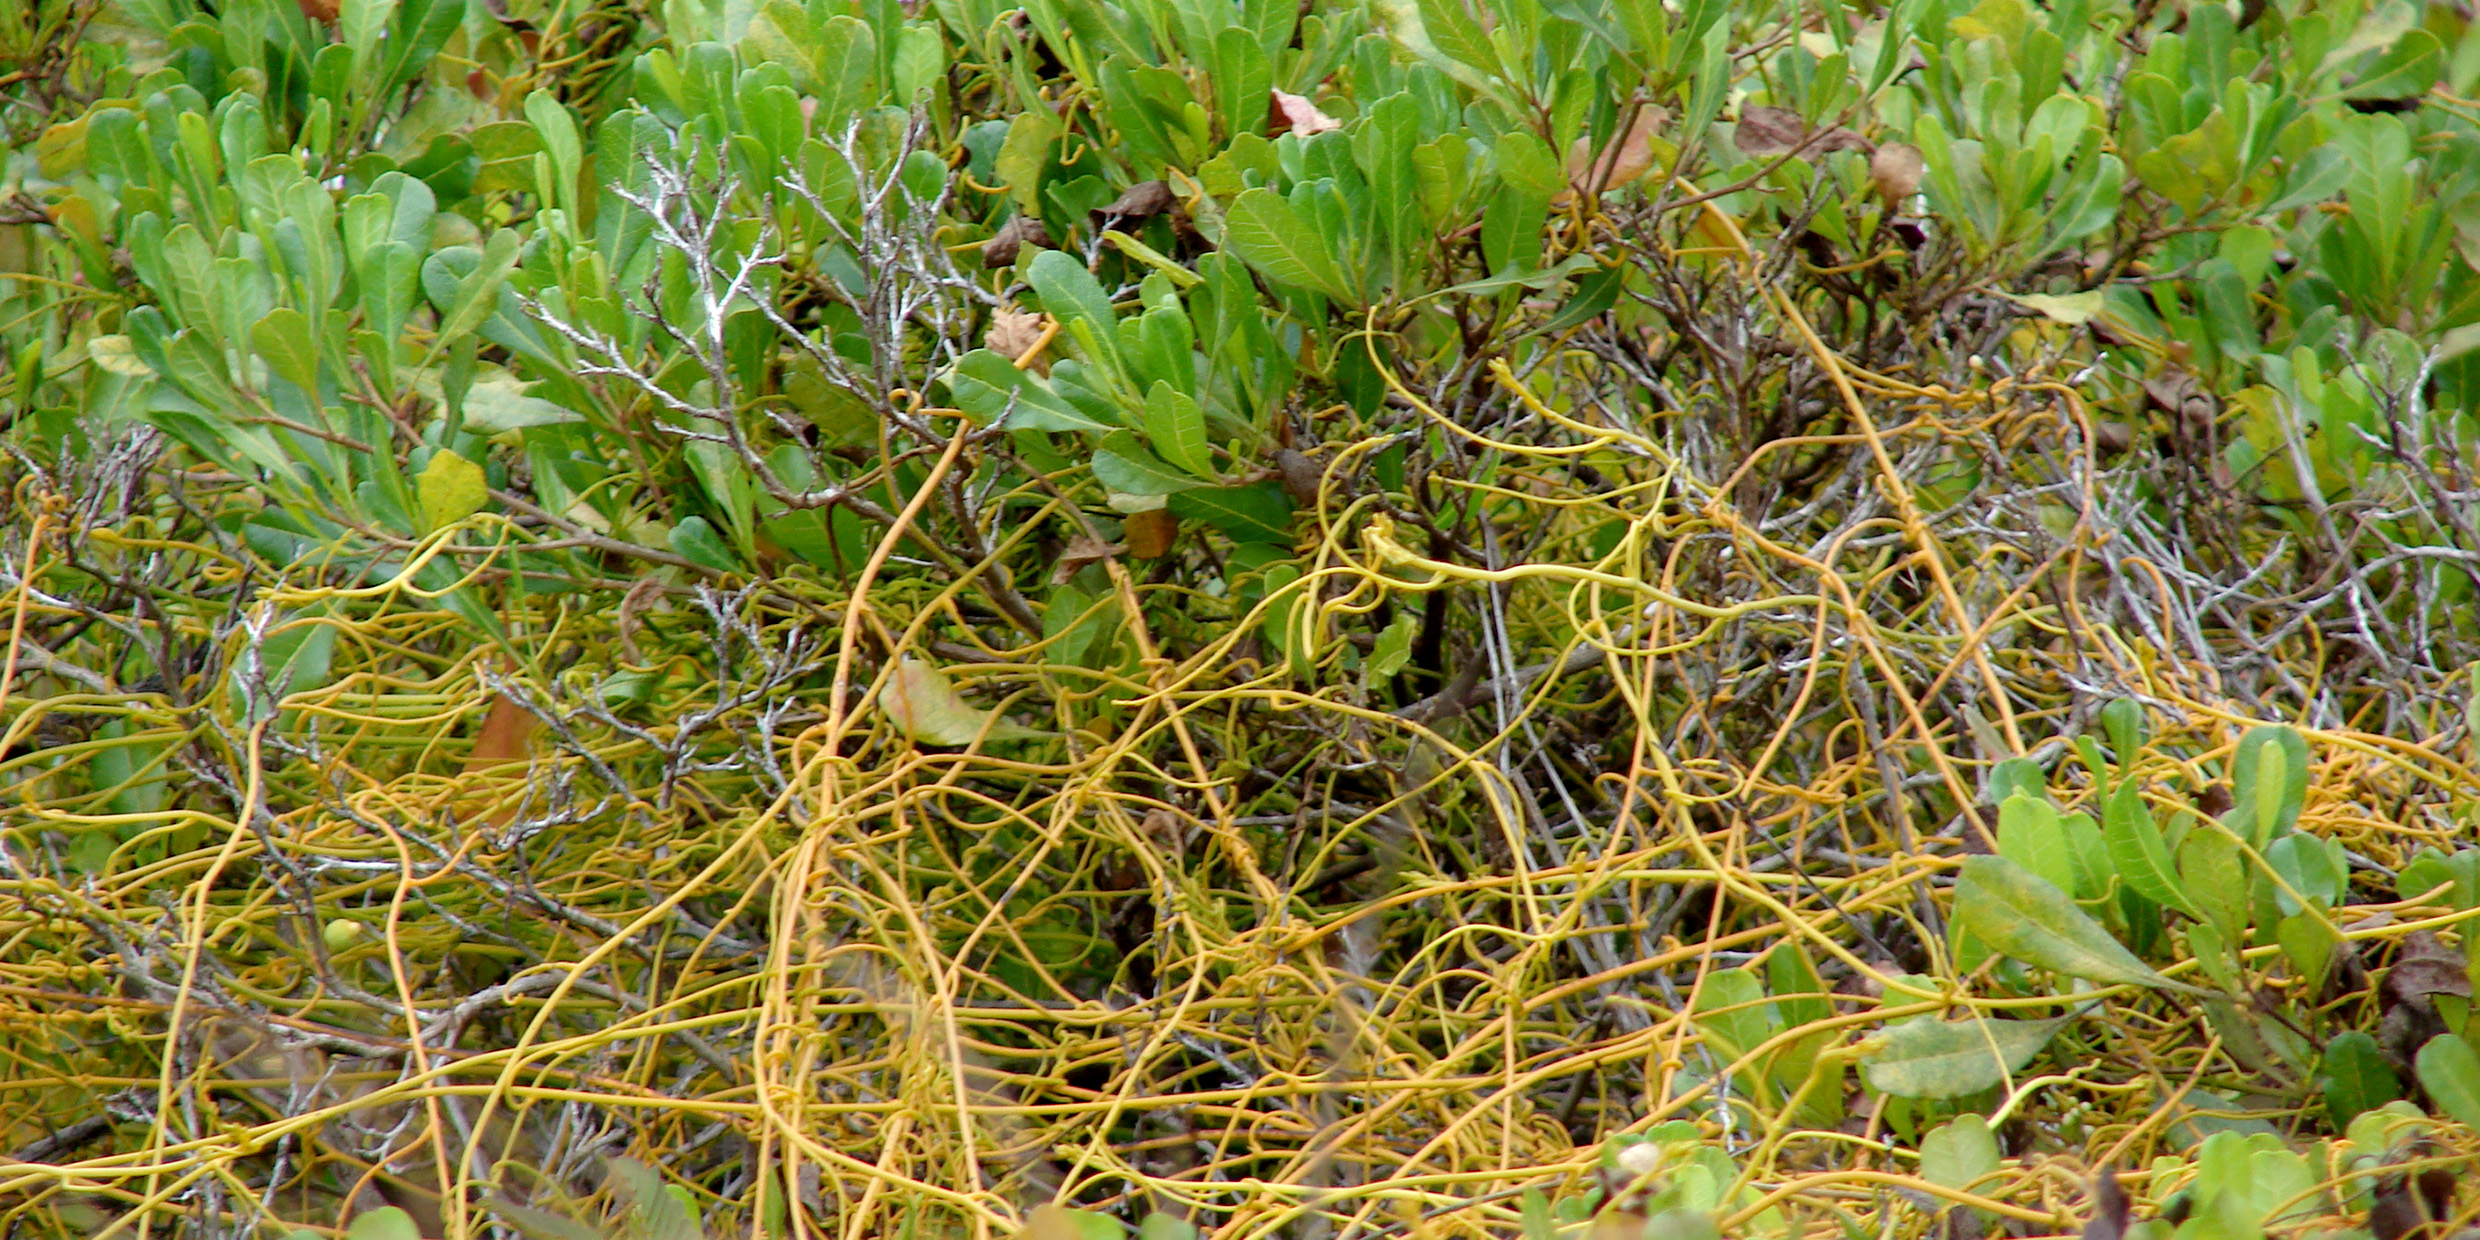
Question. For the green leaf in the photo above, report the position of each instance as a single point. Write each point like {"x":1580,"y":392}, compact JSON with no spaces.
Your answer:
{"x":2356,"y":1078}
{"x":497,"y":403}
{"x":1177,"y":429}
{"x":2134,"y":841}
{"x":1732,"y":1013}
{"x":384,"y":1223}
{"x":451,"y":488}
{"x":1023,"y":153}
{"x":1071,"y":294}
{"x":1393,"y":648}
{"x":1264,"y":231}
{"x":1124,"y":465}
{"x":1929,"y":1058}
{"x":2021,"y":914}
{"x":2268,"y":782}
{"x":2213,"y":874}
{"x":1959,"y":1152}
{"x":1161,"y":1226}
{"x":283,"y":339}
{"x":2030,"y":836}
{"x":1259,"y":512}
{"x":1452,"y":30}
{"x":989,"y":386}
{"x":694,"y":539}
{"x":2450,"y":1071}
{"x":920,"y":59}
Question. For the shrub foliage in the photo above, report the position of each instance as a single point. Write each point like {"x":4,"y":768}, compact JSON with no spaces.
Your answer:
{"x":833,"y":617}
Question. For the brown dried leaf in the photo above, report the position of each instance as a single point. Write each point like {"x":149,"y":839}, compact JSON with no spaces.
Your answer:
{"x":1144,"y":200}
{"x":1764,"y":133}
{"x":1624,"y":158}
{"x":324,"y":11}
{"x":1150,"y":533}
{"x":1301,"y":476}
{"x":1082,"y":550}
{"x":1897,"y":169}
{"x":1004,"y":245}
{"x":1841,"y":139}
{"x":1014,"y":332}
{"x":505,"y":729}
{"x":634,"y":603}
{"x":1290,"y":113}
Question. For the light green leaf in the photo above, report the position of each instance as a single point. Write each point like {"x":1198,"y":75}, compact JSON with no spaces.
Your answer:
{"x":2073,"y":309}
{"x":2021,"y":914}
{"x":1929,"y":1058}
{"x":283,"y":339}
{"x":988,"y":385}
{"x":384,"y":1223}
{"x":1394,"y":646}
{"x":2029,"y":835}
{"x":1177,"y":428}
{"x":451,"y":488}
{"x":2134,"y":841}
{"x":115,"y":355}
{"x":1263,"y":230}
{"x":1071,"y":294}
{"x":1959,"y":1152}
{"x":2450,"y":1071}
{"x":497,"y":403}
{"x":1022,"y":155}
{"x":920,"y":702}
{"x":1122,"y":464}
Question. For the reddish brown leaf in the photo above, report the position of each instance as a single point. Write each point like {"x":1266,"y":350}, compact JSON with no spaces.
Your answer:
{"x":506,"y":727}
{"x":1150,"y":533}
{"x":1289,"y":113}
{"x":323,"y":11}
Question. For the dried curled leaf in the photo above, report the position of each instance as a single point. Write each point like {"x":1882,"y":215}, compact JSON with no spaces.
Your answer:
{"x":1011,"y":239}
{"x":1290,"y":113}
{"x":1621,"y":160}
{"x":921,"y":704}
{"x":1144,"y":200}
{"x":1013,"y":332}
{"x":1897,"y":168}
{"x":1082,"y":550}
{"x":1764,"y":133}
{"x":1767,"y":133}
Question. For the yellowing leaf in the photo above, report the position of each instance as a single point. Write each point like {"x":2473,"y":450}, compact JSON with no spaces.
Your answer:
{"x":452,"y":489}
{"x":116,"y":356}
{"x":922,"y":705}
{"x":2073,"y":309}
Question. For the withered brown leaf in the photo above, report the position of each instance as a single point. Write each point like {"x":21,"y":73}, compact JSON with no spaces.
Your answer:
{"x":1621,"y":160}
{"x":1082,"y":550}
{"x":1011,"y":239}
{"x":1013,"y":332}
{"x":1897,"y":169}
